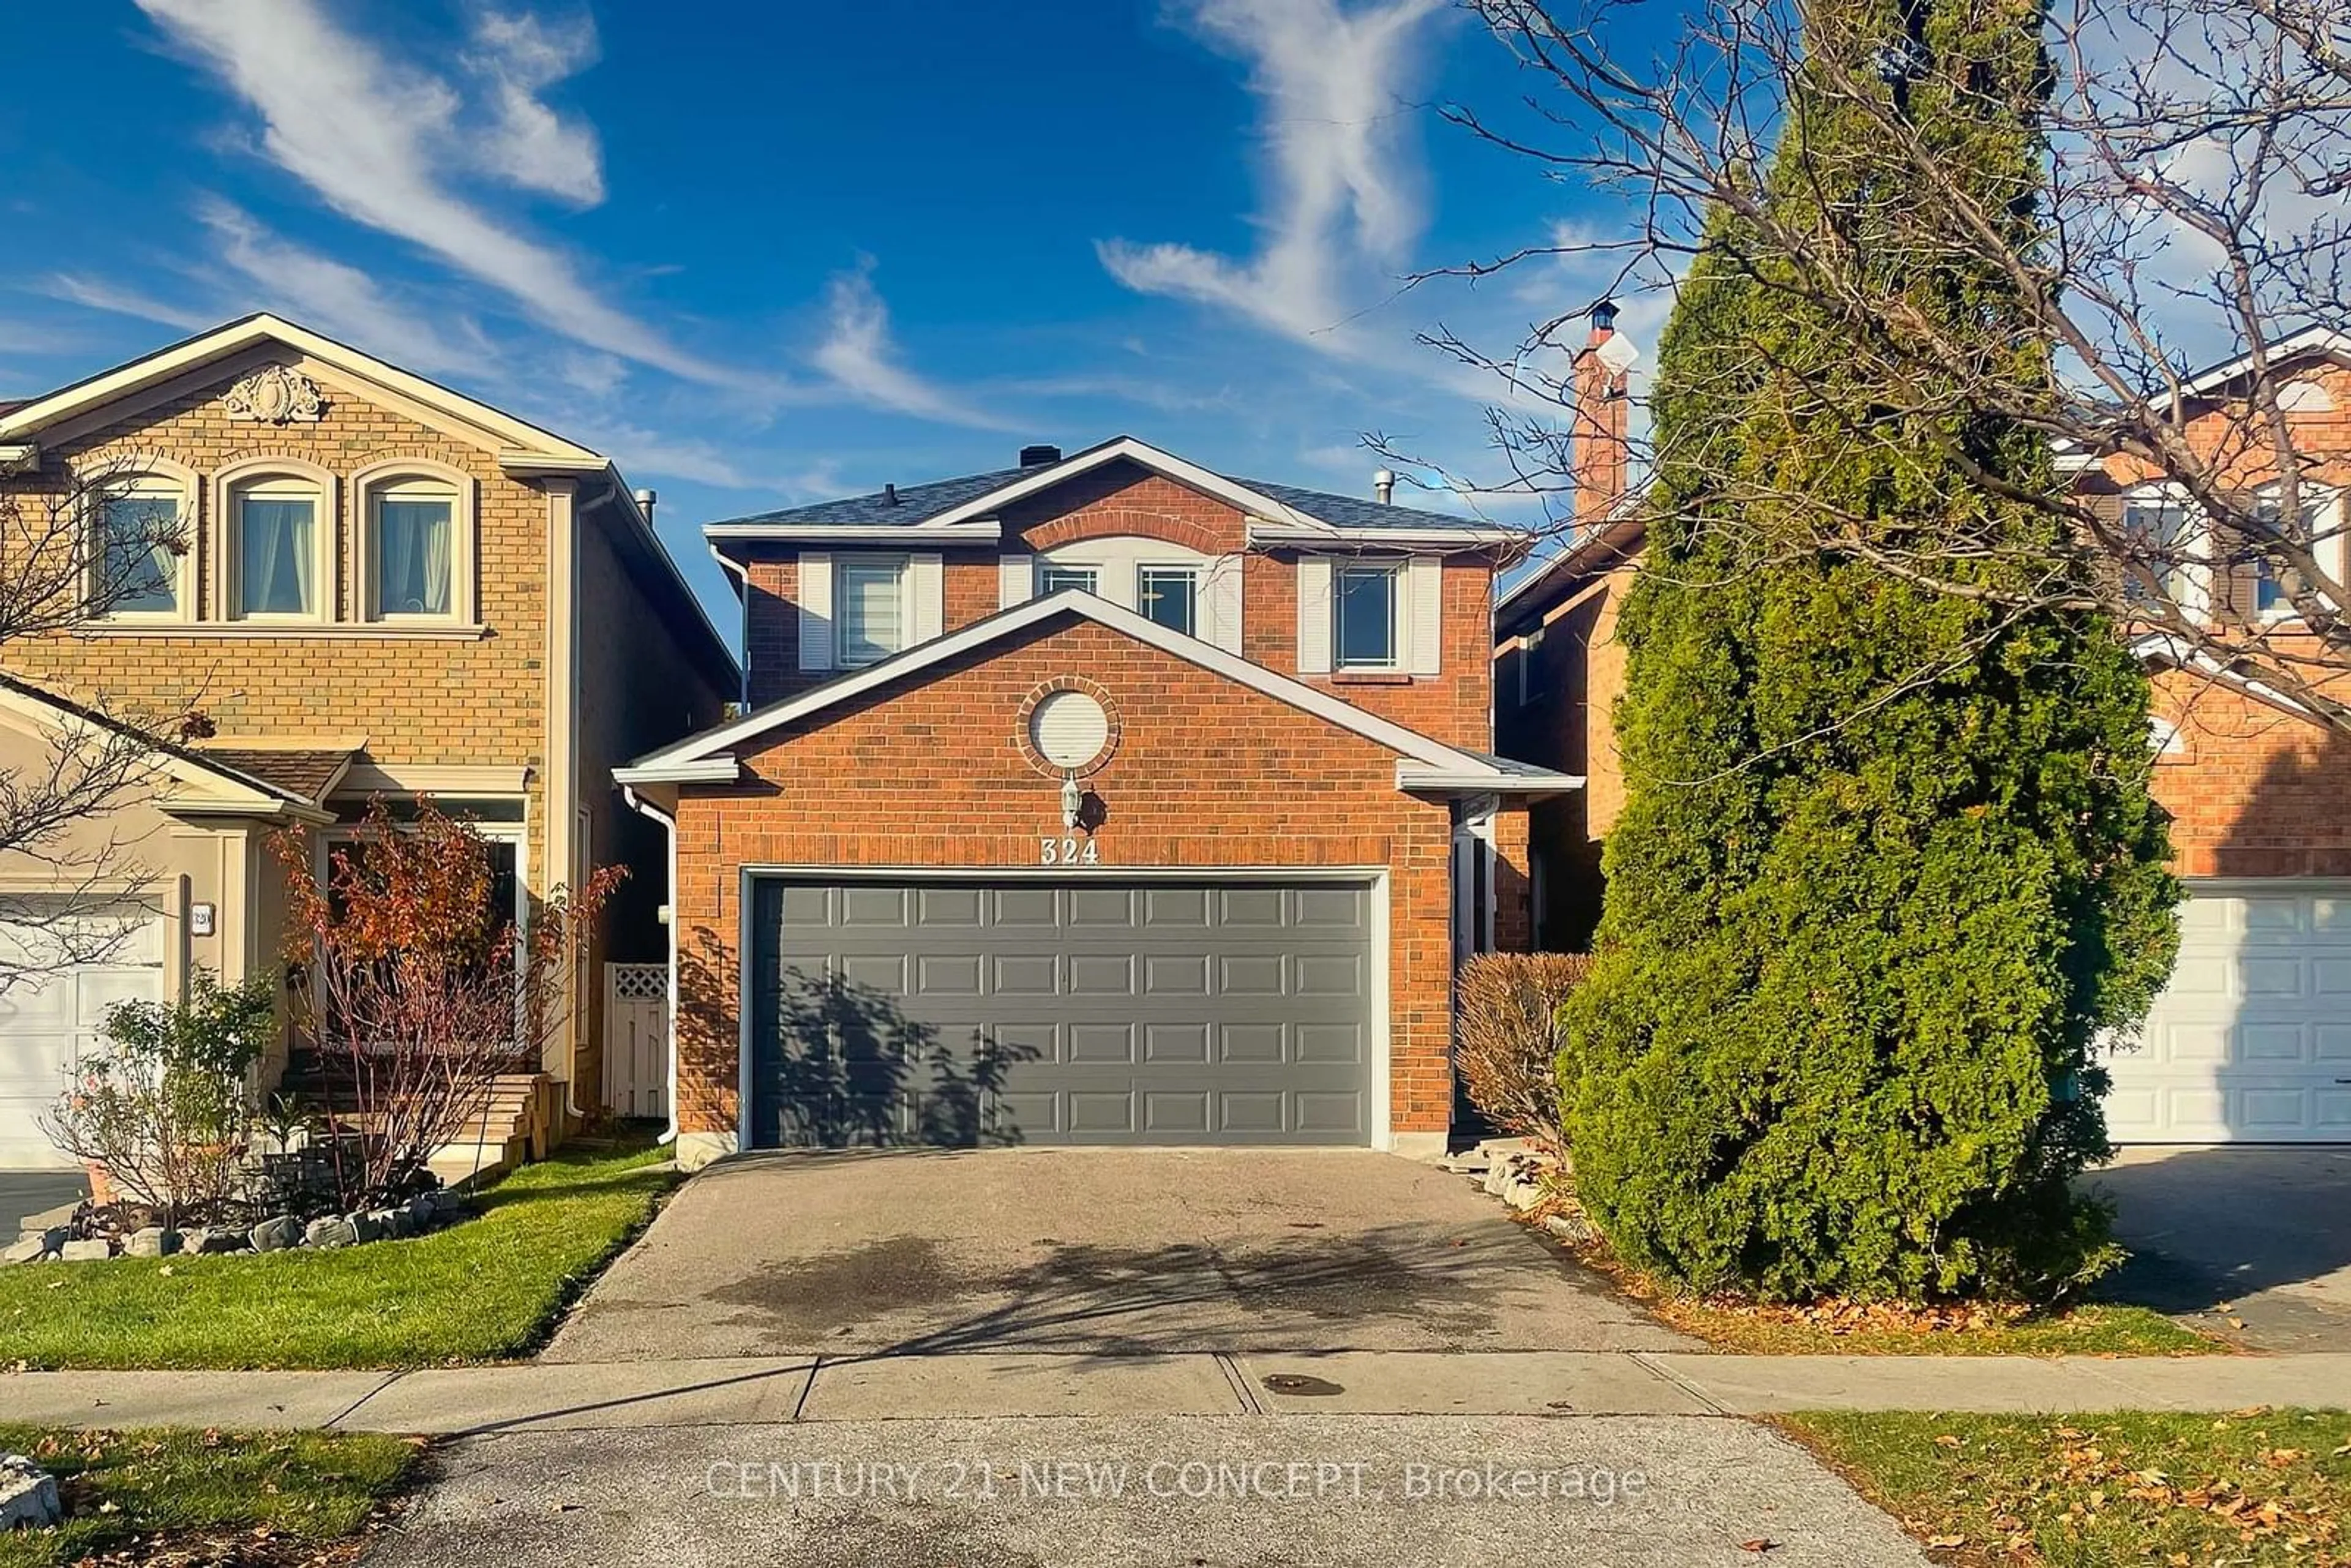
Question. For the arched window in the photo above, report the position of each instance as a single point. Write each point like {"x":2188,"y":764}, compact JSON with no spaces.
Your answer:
{"x":415,"y":543}
{"x":277,"y":536}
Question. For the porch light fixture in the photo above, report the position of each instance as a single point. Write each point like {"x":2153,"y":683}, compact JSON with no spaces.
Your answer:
{"x":1073,"y":800}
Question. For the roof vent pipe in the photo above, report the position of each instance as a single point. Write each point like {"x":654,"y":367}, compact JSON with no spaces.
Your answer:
{"x":890,"y":495}
{"x":1383,"y":486}
{"x":646,"y":500}
{"x":1039,"y":457}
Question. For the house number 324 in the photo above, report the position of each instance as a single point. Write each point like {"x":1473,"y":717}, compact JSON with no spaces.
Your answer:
{"x":1068,"y":851}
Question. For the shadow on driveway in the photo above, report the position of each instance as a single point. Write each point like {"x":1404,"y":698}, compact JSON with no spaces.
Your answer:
{"x":1091,"y":1251}
{"x":2258,"y":1234}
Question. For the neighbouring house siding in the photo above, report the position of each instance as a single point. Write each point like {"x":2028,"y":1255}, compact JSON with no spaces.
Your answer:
{"x":2252,"y":791}
{"x":928,"y":774}
{"x":644,"y":684}
{"x":1455,"y":705}
{"x":1575,"y":671}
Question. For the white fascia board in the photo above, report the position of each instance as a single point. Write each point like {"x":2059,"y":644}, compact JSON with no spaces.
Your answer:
{"x":1486,"y":780}
{"x":20,"y":456}
{"x":695,"y":770}
{"x":1410,"y":743}
{"x":1470,"y":536}
{"x":2162,"y":647}
{"x":235,"y":336}
{"x":1127,"y":447}
{"x":980,"y":533}
{"x":2325,"y":338}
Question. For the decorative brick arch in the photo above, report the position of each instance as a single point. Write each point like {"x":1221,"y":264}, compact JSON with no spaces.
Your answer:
{"x":1125,"y":498}
{"x":1107,"y":522}
{"x":1026,"y":744}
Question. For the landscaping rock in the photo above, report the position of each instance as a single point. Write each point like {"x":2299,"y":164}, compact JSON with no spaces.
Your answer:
{"x":1575,"y":1227}
{"x":423,"y":1213}
{"x":212,"y":1241}
{"x":51,"y":1237}
{"x":393,"y":1223}
{"x":449,"y":1207}
{"x":1523,"y":1193}
{"x":365,"y":1225}
{"x":331,"y":1232}
{"x":92,"y":1250}
{"x":154,"y":1241}
{"x":276,"y":1233}
{"x":31,"y":1249}
{"x":28,"y":1495}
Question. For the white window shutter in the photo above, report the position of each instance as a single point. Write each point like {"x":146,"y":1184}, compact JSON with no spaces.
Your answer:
{"x":926,"y":597}
{"x":1016,"y":579}
{"x":816,"y":610}
{"x":1314,"y":615}
{"x":1219,"y":608}
{"x":1424,"y":583}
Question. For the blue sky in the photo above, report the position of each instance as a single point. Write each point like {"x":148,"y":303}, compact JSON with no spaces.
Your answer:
{"x":764,"y":253}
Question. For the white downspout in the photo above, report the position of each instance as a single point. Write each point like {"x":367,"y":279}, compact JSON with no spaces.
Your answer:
{"x":742,"y":576}
{"x":669,"y":831}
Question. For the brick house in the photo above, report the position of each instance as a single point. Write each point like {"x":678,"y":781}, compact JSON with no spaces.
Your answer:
{"x":385,"y":587}
{"x":2251,"y":1041}
{"x":1103,"y":798}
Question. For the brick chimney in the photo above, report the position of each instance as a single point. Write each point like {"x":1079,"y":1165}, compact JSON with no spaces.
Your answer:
{"x":1602,"y":423}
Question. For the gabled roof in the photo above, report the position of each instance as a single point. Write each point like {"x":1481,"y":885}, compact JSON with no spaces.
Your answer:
{"x":1425,"y":764}
{"x":2310,"y":340}
{"x":968,"y":507}
{"x":2162,"y":649}
{"x":1600,"y":549}
{"x":523,"y":449}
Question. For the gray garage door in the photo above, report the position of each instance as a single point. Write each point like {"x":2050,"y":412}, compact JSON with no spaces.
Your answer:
{"x":1041,"y":1012}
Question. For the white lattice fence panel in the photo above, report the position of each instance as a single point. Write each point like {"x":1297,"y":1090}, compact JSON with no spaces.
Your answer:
{"x":636,"y":1040}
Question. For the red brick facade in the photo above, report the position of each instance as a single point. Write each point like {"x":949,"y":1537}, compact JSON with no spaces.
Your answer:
{"x":1455,"y":705}
{"x":931,"y":772}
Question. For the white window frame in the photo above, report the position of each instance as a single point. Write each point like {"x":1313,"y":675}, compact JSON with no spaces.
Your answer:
{"x":145,"y":478}
{"x":2325,"y":502}
{"x":897,"y":566}
{"x":275,"y":478}
{"x":2191,"y":589}
{"x":1195,"y":570}
{"x":415,"y":480}
{"x":1398,"y":614}
{"x":1048,"y":564}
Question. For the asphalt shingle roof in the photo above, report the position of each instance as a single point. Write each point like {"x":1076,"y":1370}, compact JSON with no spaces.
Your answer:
{"x":920,"y":503}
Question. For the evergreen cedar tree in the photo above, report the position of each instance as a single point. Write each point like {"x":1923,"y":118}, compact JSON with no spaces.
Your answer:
{"x":1888,"y":868}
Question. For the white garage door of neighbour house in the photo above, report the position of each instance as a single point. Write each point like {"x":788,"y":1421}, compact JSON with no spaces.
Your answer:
{"x":47,"y":1019}
{"x":2251,"y":1041}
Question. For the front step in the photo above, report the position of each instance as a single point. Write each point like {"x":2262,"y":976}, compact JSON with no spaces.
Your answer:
{"x":516,"y":1124}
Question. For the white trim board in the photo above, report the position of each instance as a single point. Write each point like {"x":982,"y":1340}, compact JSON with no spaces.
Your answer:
{"x":703,"y":758}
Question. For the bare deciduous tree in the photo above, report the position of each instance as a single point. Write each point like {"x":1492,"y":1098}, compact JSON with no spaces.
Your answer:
{"x":2193,"y":213}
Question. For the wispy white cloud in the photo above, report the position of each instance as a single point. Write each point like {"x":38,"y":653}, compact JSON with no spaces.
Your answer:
{"x":386,"y":145}
{"x":529,"y":144}
{"x":1341,"y":207}
{"x":339,"y":300}
{"x":97,"y":294}
{"x":857,"y":352}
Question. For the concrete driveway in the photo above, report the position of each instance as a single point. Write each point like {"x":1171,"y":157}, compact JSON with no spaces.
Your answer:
{"x":2247,"y":1235}
{"x":1091,"y":1251}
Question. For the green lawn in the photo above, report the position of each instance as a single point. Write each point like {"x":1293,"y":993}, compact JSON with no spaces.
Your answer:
{"x":2255,"y":1488}
{"x":122,"y":1490}
{"x":488,"y":1288}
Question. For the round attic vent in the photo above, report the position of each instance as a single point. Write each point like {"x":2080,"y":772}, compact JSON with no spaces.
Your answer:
{"x":1069,"y":729}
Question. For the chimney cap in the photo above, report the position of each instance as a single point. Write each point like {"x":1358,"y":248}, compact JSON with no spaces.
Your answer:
{"x":1043,"y":455}
{"x":1603,"y":316}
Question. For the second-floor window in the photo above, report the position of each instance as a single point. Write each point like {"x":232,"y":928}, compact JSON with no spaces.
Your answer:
{"x":1053,"y":577}
{"x":870,"y":611}
{"x":139,"y":559}
{"x":274,"y":536}
{"x":412,"y":545}
{"x":2270,"y":577}
{"x":2164,"y":543}
{"x":1169,"y":595}
{"x":1364,"y":604}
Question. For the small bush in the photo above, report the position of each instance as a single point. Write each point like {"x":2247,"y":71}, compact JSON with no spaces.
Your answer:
{"x":1510,"y":1040}
{"x":163,"y":1106}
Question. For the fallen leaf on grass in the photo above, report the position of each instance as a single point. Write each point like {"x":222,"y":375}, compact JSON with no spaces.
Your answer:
{"x":1758,"y":1544}
{"x":1945,"y":1543}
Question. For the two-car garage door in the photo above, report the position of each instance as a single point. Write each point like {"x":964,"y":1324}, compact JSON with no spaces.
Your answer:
{"x":1038,"y":1011}
{"x":2252,"y":1039}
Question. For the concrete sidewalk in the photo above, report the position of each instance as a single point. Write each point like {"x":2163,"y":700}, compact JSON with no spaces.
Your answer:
{"x":749,"y":1390}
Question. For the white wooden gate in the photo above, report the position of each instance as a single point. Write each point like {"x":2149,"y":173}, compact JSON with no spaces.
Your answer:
{"x":636,"y":1040}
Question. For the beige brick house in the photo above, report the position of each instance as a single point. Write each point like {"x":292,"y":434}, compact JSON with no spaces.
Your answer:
{"x":387,"y":589}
